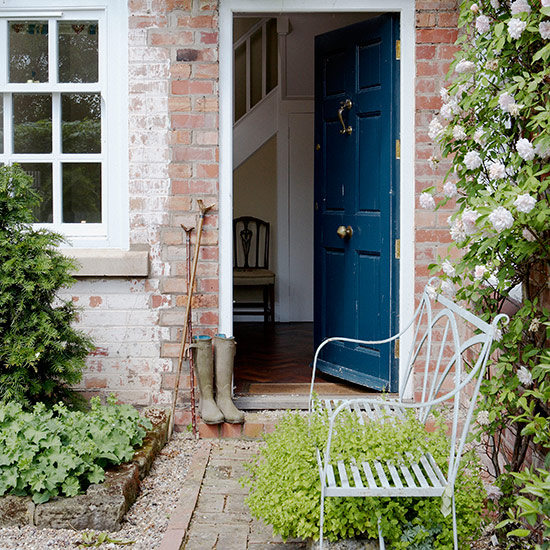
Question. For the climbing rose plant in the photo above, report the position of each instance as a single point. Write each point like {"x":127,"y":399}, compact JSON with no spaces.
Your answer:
{"x":494,"y":126}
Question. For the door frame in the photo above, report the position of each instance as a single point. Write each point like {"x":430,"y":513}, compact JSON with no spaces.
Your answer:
{"x":406,"y":10}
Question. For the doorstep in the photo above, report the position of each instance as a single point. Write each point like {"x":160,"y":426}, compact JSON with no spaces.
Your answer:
{"x":255,"y":425}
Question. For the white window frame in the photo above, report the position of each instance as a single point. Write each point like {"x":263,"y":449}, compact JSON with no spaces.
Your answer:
{"x":112,"y":84}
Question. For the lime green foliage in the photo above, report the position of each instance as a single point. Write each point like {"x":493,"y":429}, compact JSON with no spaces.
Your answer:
{"x":89,"y":539}
{"x":285,"y":488}
{"x":51,"y":452}
{"x":40,"y":352}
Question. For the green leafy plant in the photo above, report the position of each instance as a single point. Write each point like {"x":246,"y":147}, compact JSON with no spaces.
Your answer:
{"x":56,"y":451}
{"x":89,"y":539}
{"x":285,"y":488}
{"x":41,"y":354}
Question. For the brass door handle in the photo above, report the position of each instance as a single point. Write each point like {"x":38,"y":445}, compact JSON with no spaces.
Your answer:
{"x":344,"y":232}
{"x":345,"y":105}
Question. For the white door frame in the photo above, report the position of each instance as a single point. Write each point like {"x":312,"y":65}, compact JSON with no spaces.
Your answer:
{"x":406,"y":10}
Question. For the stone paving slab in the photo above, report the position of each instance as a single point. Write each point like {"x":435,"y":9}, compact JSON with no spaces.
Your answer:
{"x":220,"y":519}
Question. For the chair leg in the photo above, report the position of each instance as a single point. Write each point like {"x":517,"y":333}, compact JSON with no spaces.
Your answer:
{"x":266,"y":303}
{"x":455,"y":531}
{"x":322,"y":519}
{"x":272,"y":302}
{"x":381,"y":542}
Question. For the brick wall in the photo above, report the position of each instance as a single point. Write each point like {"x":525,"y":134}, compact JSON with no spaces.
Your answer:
{"x":436,"y":33}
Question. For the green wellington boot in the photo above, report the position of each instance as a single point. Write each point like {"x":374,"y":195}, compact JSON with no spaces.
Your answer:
{"x":204,"y":367}
{"x":224,"y":354}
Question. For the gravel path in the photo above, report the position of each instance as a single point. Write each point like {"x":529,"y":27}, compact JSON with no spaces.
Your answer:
{"x":145,"y":523}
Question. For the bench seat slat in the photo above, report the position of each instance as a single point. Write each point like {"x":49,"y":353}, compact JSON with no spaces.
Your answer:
{"x":408,"y":476}
{"x":368,"y":473}
{"x":356,"y":475}
{"x":381,"y":474}
{"x":417,"y":471}
{"x":436,"y":469}
{"x":331,"y":480}
{"x":430,"y":471}
{"x":358,"y":412}
{"x":395,"y":475}
{"x":343,"y":474}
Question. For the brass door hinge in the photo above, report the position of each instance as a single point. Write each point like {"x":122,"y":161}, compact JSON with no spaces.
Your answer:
{"x":398,"y":249}
{"x":398,"y":49}
{"x":397,"y":349}
{"x":397,"y":149}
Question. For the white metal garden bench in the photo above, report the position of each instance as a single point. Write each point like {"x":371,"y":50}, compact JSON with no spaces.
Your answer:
{"x":449,"y":353}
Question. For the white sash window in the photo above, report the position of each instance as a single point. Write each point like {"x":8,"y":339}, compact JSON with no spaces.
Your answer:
{"x":64,"y":114}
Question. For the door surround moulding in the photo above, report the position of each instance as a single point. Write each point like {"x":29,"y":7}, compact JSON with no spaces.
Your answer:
{"x":406,"y":10}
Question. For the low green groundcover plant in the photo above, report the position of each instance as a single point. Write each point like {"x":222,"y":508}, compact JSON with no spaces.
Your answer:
{"x":285,"y":489}
{"x":46,"y":452}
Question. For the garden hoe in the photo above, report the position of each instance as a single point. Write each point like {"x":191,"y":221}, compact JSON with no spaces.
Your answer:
{"x":186,"y":321}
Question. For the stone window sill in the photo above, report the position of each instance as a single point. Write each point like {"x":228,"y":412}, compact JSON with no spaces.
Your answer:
{"x":110,"y":262}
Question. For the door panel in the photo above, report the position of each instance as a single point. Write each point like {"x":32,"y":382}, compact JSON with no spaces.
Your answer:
{"x":356,"y":177}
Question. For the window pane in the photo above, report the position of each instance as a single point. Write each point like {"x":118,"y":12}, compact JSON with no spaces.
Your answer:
{"x":42,"y":175}
{"x":32,"y":123}
{"x":78,"y":51}
{"x":82,"y":192}
{"x":28,"y":47}
{"x":81,"y":123}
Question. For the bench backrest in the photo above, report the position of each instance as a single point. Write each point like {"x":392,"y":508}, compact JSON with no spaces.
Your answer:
{"x":447,"y":362}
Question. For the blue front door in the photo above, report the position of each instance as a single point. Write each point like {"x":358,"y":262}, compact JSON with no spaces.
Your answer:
{"x":356,"y":198}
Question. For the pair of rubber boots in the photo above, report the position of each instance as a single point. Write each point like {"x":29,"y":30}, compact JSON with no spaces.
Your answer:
{"x":221,"y":409}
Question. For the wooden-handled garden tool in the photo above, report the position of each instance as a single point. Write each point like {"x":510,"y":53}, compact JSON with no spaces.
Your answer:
{"x":203,"y":210}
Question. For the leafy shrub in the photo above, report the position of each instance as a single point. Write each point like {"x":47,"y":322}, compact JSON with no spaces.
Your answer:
{"x":51,"y":452}
{"x":285,"y":489}
{"x":40,"y":352}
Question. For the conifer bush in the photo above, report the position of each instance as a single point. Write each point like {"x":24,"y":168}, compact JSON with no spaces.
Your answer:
{"x":41,"y":354}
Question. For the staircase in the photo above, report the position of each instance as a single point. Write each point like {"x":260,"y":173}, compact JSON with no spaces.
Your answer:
{"x":255,"y":65}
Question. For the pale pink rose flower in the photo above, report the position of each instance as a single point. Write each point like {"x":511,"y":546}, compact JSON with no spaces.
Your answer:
{"x":525,"y":377}
{"x":525,"y":149}
{"x":495,"y":4}
{"x":448,"y":268}
{"x":427,"y":201}
{"x":448,"y":288}
{"x":525,"y":203}
{"x":472,"y":160}
{"x":516,"y":27}
{"x":544,"y":29}
{"x":459,"y":133}
{"x":480,"y":271}
{"x":469,"y":218}
{"x":444,"y":94}
{"x":483,"y":418}
{"x":546,"y":3}
{"x":483,"y":24}
{"x":464,"y":66}
{"x":450,"y":189}
{"x":474,"y":8}
{"x":493,"y":492}
{"x":501,"y":219}
{"x":520,"y":6}
{"x":497,"y":170}
{"x":505,"y":100}
{"x":446,"y":111}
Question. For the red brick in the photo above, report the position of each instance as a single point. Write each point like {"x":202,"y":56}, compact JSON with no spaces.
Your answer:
{"x":208,"y":318}
{"x":170,"y":37}
{"x":447,"y":52}
{"x":253,"y":430}
{"x":197,"y":22}
{"x":191,"y":120}
{"x":448,"y":19}
{"x":180,"y":71}
{"x":181,"y":137}
{"x":190,"y":87}
{"x":209,"y":37}
{"x":96,"y":383}
{"x":159,"y":301}
{"x":184,"y":5}
{"x":209,"y":431}
{"x":436,"y":36}
{"x":95,"y":301}
{"x":206,"y":104}
{"x":193,"y":153}
{"x":428,"y":102}
{"x":207,"y":170}
{"x":424,"y":19}
{"x":179,"y":104}
{"x":180,"y":170}
{"x":205,"y":70}
{"x":425,"y":52}
{"x":233,"y":431}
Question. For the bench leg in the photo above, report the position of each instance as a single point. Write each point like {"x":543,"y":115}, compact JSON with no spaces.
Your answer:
{"x":455,"y":533}
{"x":381,"y":542}
{"x":322,"y":518}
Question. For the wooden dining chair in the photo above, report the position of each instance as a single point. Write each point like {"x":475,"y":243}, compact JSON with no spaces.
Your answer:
{"x":251,"y":266}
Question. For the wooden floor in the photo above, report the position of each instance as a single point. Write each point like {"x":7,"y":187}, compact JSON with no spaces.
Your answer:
{"x":276,"y":359}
